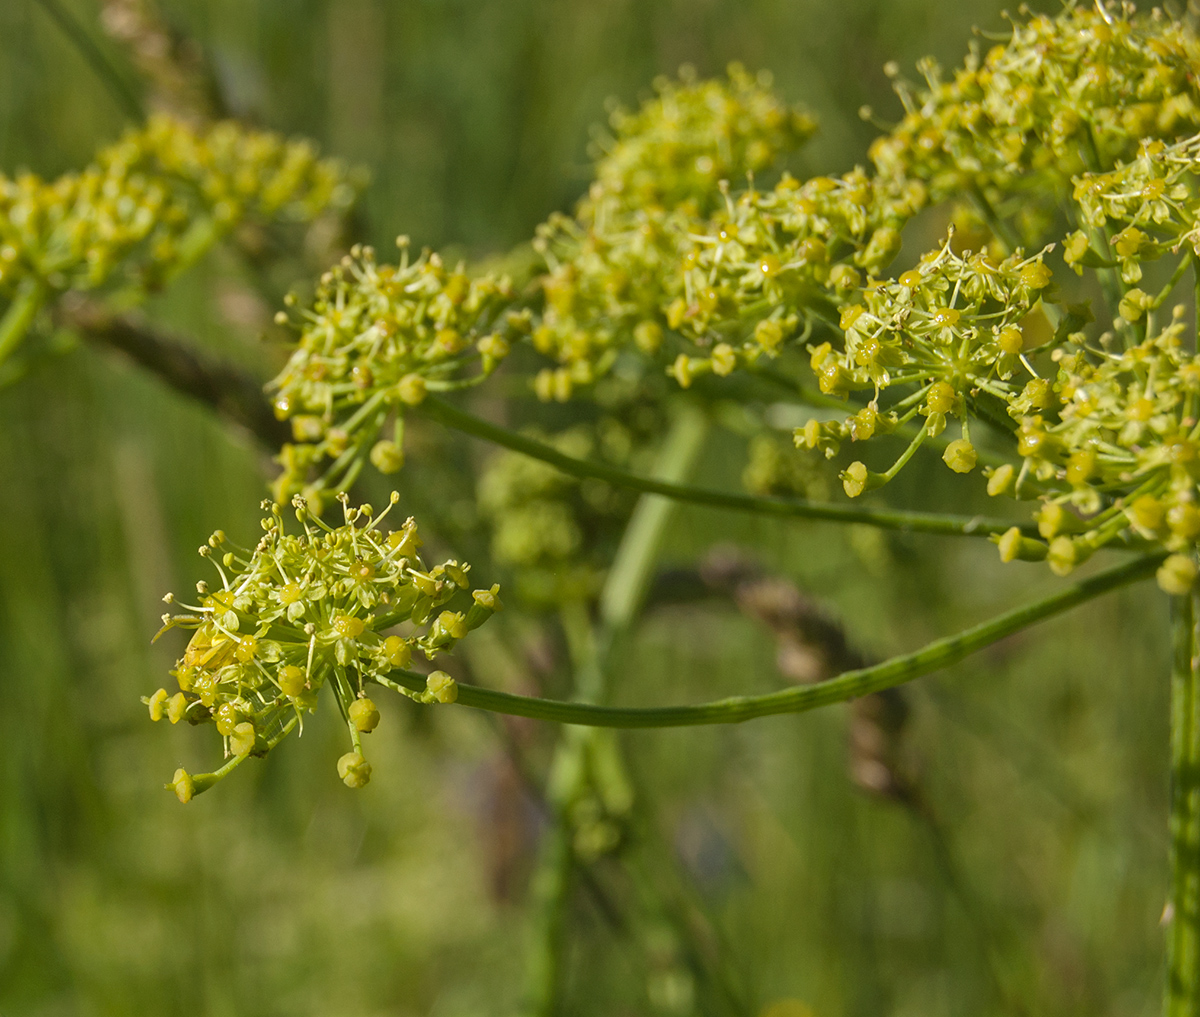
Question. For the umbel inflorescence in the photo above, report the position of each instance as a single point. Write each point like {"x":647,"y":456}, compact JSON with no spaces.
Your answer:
{"x":1039,"y":339}
{"x":149,"y":207}
{"x":326,"y":606}
{"x":1070,"y":145}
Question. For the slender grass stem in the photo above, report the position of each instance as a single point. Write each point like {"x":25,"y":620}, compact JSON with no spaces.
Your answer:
{"x":113,"y":81}
{"x":939,"y":654}
{"x":1183,"y":909}
{"x":891,"y":519}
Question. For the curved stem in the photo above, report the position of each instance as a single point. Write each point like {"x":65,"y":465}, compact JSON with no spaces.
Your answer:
{"x":850,"y":685}
{"x":890,"y":519}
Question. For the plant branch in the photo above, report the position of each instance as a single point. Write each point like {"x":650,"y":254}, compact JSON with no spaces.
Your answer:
{"x":231,"y":392}
{"x":890,"y":519}
{"x":939,"y":654}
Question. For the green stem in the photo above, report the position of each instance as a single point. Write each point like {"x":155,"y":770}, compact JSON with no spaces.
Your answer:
{"x":1183,"y":928}
{"x":549,"y":889}
{"x":907,"y":454}
{"x":1000,"y":229}
{"x":890,"y":519}
{"x":31,"y":294}
{"x":939,"y":654}
{"x":573,"y":769}
{"x":1170,"y":284}
{"x":629,"y":577}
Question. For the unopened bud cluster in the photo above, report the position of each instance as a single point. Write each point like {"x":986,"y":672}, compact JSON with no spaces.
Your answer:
{"x":308,"y":609}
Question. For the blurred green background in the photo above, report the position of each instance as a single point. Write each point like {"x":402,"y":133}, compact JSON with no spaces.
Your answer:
{"x":1029,"y":882}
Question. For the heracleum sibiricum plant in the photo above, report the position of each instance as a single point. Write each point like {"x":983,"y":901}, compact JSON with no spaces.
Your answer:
{"x":1046,"y":348}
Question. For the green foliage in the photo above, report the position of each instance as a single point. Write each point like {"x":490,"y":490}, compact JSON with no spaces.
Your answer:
{"x":706,"y":275}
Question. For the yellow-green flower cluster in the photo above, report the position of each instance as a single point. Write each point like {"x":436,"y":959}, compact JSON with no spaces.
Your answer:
{"x":378,"y":337}
{"x":375,"y":340}
{"x":671,"y":258}
{"x":304,"y":610}
{"x":949,"y":332}
{"x":154,"y":201}
{"x":773,"y":259}
{"x":1120,"y":422}
{"x":616,"y":266}
{"x":675,"y":149}
{"x":1073,"y":92}
{"x":1151,"y":196}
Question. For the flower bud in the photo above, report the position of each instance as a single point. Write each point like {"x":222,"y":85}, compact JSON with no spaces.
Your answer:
{"x":1080,"y":466}
{"x":387,"y":456}
{"x":960,"y":456}
{"x":411,"y":390}
{"x":681,"y":370}
{"x":354,"y":770}
{"x":1011,"y":340}
{"x":1183,"y":520}
{"x":451,"y":623}
{"x":1036,"y":276}
{"x":1133,"y":305}
{"x":941,"y":397}
{"x":1015,"y":546}
{"x":241,"y":741}
{"x":177,"y":708}
{"x":1055,"y":518}
{"x":1066,"y":553}
{"x":856,"y":479}
{"x":768,"y":333}
{"x":843,"y":277}
{"x":291,"y":680}
{"x":1001,"y":479}
{"x":182,"y":785}
{"x":363,"y":715}
{"x":648,"y":336}
{"x":724,"y":360}
{"x":1177,"y":575}
{"x":348,"y":626}
{"x":247,"y":647}
{"x":863,"y":423}
{"x":227,"y":718}
{"x":156,"y":704}
{"x":441,"y":687}
{"x":1146,"y":513}
{"x":397,"y":651}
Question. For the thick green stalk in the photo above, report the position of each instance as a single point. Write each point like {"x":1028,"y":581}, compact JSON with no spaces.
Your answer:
{"x":850,"y":685}
{"x":632,"y":568}
{"x":549,"y":891}
{"x":1183,"y":927}
{"x":31,"y":294}
{"x":890,"y":519}
{"x":571,"y":771}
